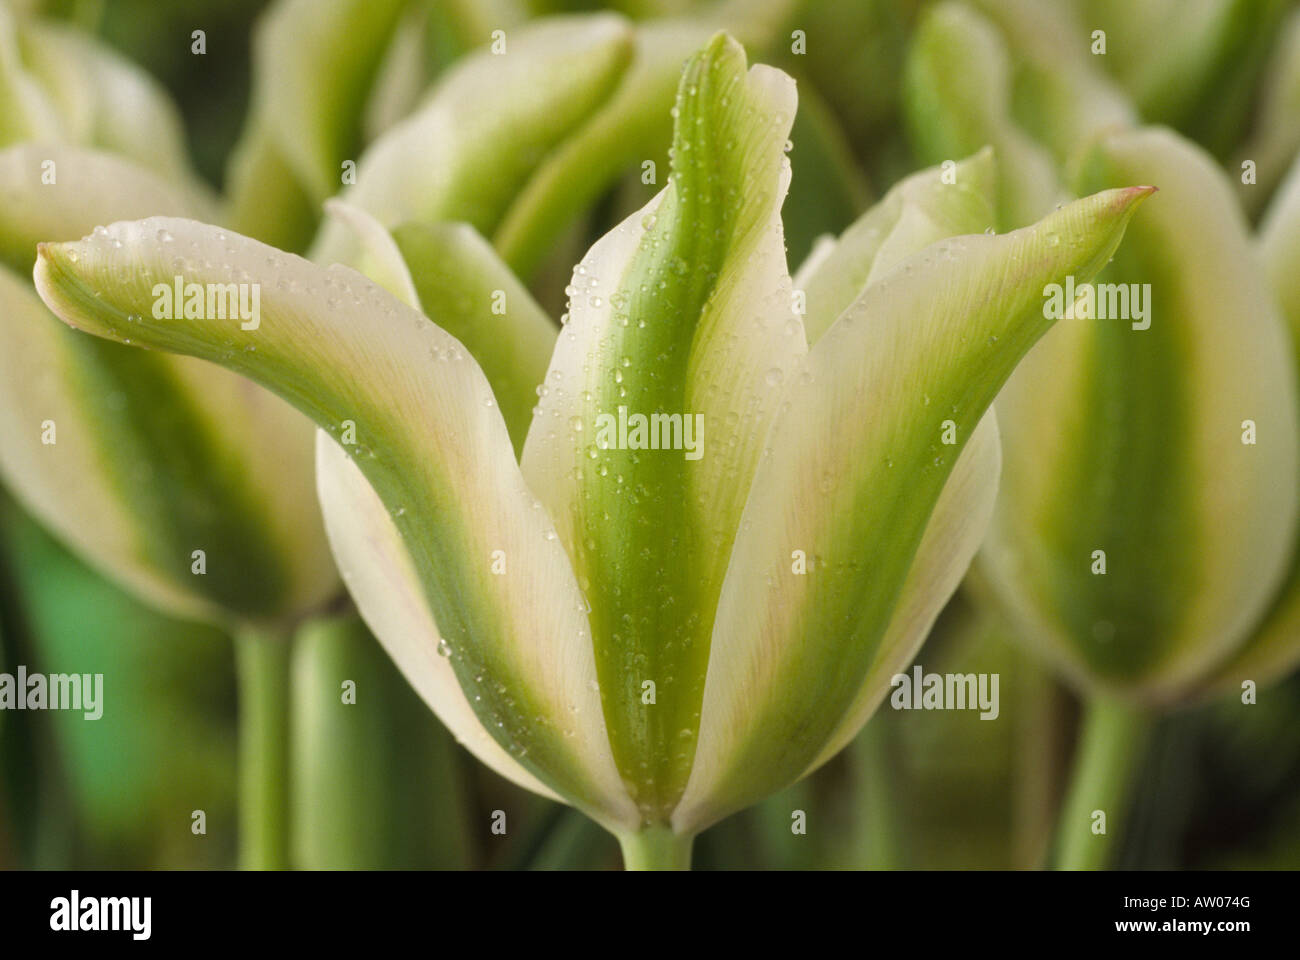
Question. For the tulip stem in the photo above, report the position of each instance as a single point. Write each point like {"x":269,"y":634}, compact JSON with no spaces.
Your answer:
{"x":262,"y":658}
{"x":1111,"y":742}
{"x":656,"y":848}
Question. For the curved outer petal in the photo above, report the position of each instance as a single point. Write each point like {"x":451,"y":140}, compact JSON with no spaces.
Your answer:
{"x":685,"y":311}
{"x":486,"y":127}
{"x":153,"y":457}
{"x":1130,"y":441}
{"x":851,"y":474}
{"x":1274,"y":648}
{"x":382,"y":579}
{"x":431,"y":442}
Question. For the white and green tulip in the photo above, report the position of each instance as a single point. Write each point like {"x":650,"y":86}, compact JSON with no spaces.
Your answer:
{"x":657,"y":638}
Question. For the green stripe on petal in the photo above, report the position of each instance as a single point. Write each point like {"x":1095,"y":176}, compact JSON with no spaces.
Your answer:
{"x":957,"y":95}
{"x":428,"y":437}
{"x":628,"y":129}
{"x":685,"y":311}
{"x":383,"y":581}
{"x":154,"y":457}
{"x":461,"y":281}
{"x":137,"y":460}
{"x":853,"y":469}
{"x":487,"y":126}
{"x":1195,"y":524}
{"x":314,"y":65}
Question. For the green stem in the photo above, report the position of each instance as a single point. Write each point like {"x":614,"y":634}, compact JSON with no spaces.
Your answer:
{"x":877,"y":828}
{"x":263,"y":662}
{"x":656,"y":848}
{"x":1111,"y":742}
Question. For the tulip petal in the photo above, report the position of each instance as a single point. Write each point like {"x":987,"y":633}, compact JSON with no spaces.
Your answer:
{"x":957,"y":98}
{"x":631,"y":126}
{"x":486,"y":127}
{"x":136,"y":435}
{"x":922,"y":209}
{"x":26,"y":111}
{"x":461,"y":281}
{"x":378,"y":256}
{"x":105,"y":100}
{"x":960,"y":519}
{"x":1274,"y":648}
{"x":381,"y":577}
{"x":59,"y":193}
{"x":1135,"y":443}
{"x":314,"y":64}
{"x":854,"y":466}
{"x":429,"y":439}
{"x":685,"y":311}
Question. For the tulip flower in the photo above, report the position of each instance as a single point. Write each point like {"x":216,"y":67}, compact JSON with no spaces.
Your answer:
{"x":1148,"y":509}
{"x":658,"y":636}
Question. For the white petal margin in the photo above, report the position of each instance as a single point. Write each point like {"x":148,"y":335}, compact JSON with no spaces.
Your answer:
{"x":381,"y":578}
